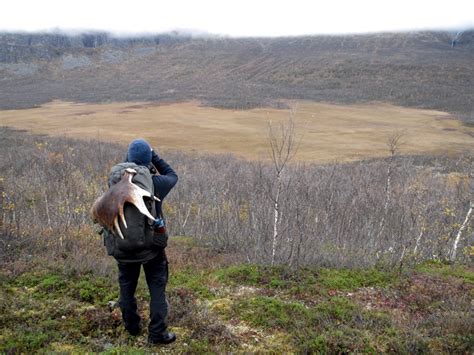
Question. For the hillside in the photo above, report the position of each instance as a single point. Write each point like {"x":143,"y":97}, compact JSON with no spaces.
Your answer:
{"x":409,"y":69}
{"x":354,"y":272}
{"x":217,"y":307}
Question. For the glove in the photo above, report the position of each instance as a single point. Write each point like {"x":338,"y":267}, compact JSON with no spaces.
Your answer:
{"x":158,"y":223}
{"x":159,"y":226}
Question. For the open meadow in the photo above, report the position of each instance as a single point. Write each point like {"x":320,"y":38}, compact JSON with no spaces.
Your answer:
{"x":328,"y":132}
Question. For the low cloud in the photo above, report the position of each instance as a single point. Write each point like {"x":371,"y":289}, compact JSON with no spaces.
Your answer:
{"x":238,"y":18}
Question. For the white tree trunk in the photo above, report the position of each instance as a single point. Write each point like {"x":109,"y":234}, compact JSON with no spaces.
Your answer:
{"x":388,"y":186}
{"x":47,"y":208}
{"x":276,"y":218}
{"x":417,"y":244}
{"x":458,"y":236}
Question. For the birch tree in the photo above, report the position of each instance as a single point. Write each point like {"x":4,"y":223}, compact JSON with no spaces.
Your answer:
{"x":284,"y":145}
{"x":461,"y":230}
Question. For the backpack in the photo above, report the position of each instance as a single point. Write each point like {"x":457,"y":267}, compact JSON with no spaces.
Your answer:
{"x":140,"y":236}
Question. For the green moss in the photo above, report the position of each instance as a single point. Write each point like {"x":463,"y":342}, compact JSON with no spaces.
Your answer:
{"x":380,"y":321}
{"x":50,"y":325}
{"x":27,"y":280}
{"x":271,"y":312}
{"x":94,"y":290}
{"x":52,"y":283}
{"x":390,"y":341}
{"x":344,"y":339}
{"x":280,"y":277}
{"x":24,"y":342}
{"x":245,"y":274}
{"x":199,"y":346}
{"x":434,"y":267}
{"x":452,"y":344}
{"x":192,"y":280}
{"x":347,"y":280}
{"x":69,"y":313}
{"x":314,"y":344}
{"x":87,"y":288}
{"x":336,"y":308}
{"x":276,"y":283}
{"x":304,"y":280}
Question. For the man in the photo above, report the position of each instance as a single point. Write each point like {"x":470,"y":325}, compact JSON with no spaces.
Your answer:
{"x":154,"y":262}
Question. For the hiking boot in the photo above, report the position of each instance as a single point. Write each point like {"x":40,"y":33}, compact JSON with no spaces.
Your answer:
{"x":134,"y":331}
{"x":164,"y":338}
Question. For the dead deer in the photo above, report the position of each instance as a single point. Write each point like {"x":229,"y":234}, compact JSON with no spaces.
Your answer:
{"x":108,"y":207}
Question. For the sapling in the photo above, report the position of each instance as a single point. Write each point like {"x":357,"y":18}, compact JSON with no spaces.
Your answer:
{"x":461,"y":230}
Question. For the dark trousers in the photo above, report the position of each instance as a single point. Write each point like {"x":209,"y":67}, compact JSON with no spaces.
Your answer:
{"x":156,"y":273}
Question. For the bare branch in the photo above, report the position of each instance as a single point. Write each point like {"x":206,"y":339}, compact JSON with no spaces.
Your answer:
{"x":395,"y":141}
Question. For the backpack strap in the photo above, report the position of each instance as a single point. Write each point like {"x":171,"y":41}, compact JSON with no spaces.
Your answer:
{"x":158,"y":214}
{"x":153,"y":209}
{"x":153,"y":171}
{"x":154,"y":212}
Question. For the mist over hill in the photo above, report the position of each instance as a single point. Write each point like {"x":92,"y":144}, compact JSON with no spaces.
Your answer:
{"x":423,"y":69}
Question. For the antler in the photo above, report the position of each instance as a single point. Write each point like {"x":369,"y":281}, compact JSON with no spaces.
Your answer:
{"x":109,"y":206}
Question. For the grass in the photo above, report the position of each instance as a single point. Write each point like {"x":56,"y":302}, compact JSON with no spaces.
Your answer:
{"x":245,"y":308}
{"x":314,"y":279}
{"x":446,"y":270}
{"x":328,"y":132}
{"x":192,"y":280}
{"x":88,"y":288}
{"x":347,"y":280}
{"x":268,"y":312}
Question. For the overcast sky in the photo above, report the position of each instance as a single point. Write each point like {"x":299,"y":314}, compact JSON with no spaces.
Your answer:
{"x":237,"y":17}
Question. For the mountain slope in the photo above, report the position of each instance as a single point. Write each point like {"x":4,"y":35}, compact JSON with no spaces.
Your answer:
{"x":412,"y":69}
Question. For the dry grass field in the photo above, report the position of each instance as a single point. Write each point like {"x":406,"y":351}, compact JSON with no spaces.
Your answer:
{"x":329,"y":132}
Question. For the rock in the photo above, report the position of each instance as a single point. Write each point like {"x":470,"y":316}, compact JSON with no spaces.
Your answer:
{"x":71,"y":62}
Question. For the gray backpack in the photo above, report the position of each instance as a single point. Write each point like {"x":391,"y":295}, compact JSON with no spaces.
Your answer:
{"x":139,"y":234}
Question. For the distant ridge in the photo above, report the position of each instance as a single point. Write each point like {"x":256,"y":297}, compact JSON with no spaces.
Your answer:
{"x":421,"y":69}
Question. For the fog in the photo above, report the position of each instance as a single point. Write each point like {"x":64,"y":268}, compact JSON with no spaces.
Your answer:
{"x":242,"y":18}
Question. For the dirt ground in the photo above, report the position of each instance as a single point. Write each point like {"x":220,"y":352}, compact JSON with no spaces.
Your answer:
{"x":328,"y":132}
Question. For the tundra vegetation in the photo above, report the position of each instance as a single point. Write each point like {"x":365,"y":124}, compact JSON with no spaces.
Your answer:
{"x":357,"y":258}
{"x":331,"y":132}
{"x":279,"y":256}
{"x":415,"y":69}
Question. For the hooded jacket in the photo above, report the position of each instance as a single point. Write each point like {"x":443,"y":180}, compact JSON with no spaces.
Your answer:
{"x":162,"y":183}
